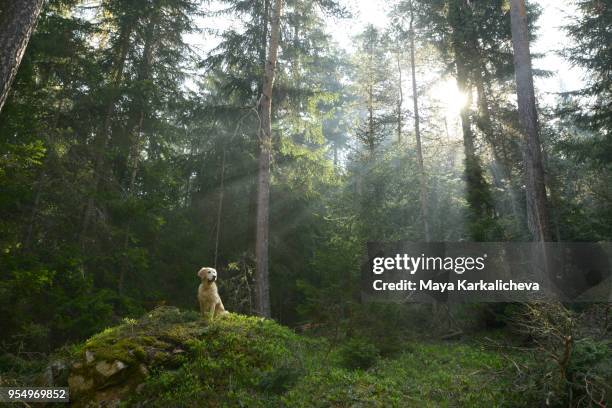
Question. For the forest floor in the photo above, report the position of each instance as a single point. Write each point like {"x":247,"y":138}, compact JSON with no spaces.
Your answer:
{"x":172,"y":358}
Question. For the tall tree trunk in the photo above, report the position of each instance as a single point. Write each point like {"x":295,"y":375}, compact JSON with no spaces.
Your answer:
{"x":17,"y":23}
{"x":265,"y":156}
{"x":50,"y":156}
{"x":144,"y":74}
{"x":335,"y":150}
{"x":477,"y":189}
{"x":537,"y":214}
{"x":251,"y":227}
{"x":417,"y":133}
{"x":265,"y":21}
{"x":478,"y":195}
{"x":370,"y":132}
{"x":400,"y":99}
{"x":101,"y":140}
{"x":371,"y":142}
{"x":220,"y":207}
{"x":133,"y":159}
{"x":472,"y":164}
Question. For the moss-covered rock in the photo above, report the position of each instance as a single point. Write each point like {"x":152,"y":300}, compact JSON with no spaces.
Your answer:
{"x":114,"y":364}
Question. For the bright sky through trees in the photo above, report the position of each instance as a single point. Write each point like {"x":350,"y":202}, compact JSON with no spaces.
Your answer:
{"x":551,"y":38}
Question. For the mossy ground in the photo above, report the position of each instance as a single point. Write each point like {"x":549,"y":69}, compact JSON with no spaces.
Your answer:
{"x":425,"y":375}
{"x":240,"y":361}
{"x":247,"y":361}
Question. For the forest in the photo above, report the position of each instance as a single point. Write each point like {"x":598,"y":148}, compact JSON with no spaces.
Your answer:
{"x":272,"y":140}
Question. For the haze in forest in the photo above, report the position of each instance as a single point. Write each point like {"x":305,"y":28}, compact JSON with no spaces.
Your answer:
{"x":273,"y":141}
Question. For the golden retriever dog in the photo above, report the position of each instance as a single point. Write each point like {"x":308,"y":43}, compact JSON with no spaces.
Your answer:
{"x":208,"y":296}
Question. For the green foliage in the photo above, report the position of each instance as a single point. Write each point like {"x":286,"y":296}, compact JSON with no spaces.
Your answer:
{"x":588,"y":375}
{"x":570,"y":365}
{"x":358,"y":353}
{"x":590,"y":33}
{"x":590,"y":371}
{"x":281,"y":379}
{"x":128,"y":160}
{"x":427,"y":375}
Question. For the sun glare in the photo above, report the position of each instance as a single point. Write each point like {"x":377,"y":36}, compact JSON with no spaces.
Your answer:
{"x":447,"y":94}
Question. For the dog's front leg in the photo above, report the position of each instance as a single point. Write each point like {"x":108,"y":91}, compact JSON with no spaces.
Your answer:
{"x":211,"y":313}
{"x":203,"y":310}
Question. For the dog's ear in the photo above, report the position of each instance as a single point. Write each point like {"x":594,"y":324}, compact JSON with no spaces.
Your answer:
{"x":201,"y":273}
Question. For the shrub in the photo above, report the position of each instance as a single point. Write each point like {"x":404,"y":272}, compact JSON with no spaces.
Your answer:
{"x":358,"y":353}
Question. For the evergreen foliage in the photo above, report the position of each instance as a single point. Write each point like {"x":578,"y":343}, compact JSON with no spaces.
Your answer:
{"x":129,"y":159}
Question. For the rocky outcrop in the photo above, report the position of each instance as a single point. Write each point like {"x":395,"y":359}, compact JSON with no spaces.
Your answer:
{"x":113,"y":365}
{"x":55,"y":375}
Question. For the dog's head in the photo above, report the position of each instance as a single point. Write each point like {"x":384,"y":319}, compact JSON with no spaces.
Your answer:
{"x":208,"y":274}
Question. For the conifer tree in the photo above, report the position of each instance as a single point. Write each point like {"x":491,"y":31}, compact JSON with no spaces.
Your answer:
{"x":537,"y":211}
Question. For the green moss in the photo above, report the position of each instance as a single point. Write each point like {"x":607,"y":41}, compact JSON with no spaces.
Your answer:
{"x":429,"y":375}
{"x":248,"y":361}
{"x":146,"y":340}
{"x":239,"y":360}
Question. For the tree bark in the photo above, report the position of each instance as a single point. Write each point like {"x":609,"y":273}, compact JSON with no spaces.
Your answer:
{"x":370,"y":90}
{"x":251,"y":227}
{"x":537,"y":213}
{"x":417,"y":133}
{"x":17,"y":24}
{"x":400,"y":99}
{"x":335,"y":150}
{"x":265,"y":156}
{"x":371,"y":142}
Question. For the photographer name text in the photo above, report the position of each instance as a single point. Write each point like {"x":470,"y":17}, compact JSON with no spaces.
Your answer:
{"x":460,"y":285}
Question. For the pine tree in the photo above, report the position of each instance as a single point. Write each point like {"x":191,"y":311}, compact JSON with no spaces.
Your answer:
{"x":591,"y":32}
{"x":453,"y":25}
{"x":263,"y":190}
{"x":537,"y":211}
